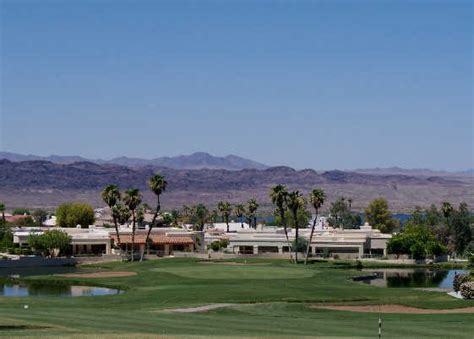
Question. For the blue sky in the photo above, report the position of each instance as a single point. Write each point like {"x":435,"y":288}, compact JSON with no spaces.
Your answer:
{"x":310,"y":84}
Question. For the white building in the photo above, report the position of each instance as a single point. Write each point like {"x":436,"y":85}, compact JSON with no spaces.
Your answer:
{"x":348,"y":243}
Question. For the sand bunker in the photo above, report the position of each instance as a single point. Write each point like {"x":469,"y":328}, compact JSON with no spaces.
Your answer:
{"x":393,"y":309}
{"x":98,"y":275}
{"x":204,"y":308}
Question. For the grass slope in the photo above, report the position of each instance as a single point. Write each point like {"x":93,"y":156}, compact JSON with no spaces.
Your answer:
{"x":273,"y":298}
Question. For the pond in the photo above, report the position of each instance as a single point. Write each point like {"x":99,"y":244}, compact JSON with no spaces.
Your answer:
{"x":424,"y":278}
{"x":42,"y":288}
{"x":41,"y":270}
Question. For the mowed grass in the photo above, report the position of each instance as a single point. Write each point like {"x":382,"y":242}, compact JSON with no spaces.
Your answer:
{"x":272,"y":298}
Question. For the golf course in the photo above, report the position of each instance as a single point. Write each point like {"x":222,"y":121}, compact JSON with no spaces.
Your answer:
{"x":182,"y":297}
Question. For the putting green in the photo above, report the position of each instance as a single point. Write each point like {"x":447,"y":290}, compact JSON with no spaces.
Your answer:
{"x":236,"y":272}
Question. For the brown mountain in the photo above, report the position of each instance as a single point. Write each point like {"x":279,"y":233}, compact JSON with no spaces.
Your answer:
{"x":43,"y":183}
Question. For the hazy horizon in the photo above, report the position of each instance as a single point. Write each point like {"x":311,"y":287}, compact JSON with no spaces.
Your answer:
{"x":322,"y":85}
{"x":256,"y":160}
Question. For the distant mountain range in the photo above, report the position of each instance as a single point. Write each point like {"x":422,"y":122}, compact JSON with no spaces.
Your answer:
{"x":416,"y":171}
{"x":42,"y":183}
{"x":202,"y":160}
{"x":198,"y":160}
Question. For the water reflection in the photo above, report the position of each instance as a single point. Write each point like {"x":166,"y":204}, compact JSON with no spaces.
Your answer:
{"x":410,"y":278}
{"x":38,"y":288}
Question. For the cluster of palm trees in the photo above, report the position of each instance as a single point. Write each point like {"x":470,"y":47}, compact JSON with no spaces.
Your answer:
{"x":200,"y":214}
{"x":294,"y":202}
{"x":130,"y":205}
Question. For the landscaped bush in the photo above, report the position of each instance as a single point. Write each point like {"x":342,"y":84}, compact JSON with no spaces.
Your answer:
{"x":458,"y":280}
{"x":467,"y":290}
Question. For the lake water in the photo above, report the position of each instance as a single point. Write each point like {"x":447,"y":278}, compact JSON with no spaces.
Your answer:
{"x":425,"y":278}
{"x":41,"y":289}
{"x":14,"y":288}
{"x":41,"y":270}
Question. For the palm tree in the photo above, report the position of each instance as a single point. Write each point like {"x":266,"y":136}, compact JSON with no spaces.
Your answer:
{"x":239,"y":212}
{"x":202,"y":216}
{"x":316,"y":198}
{"x":350,"y":203}
{"x":157,"y":184}
{"x":175,"y":217}
{"x":226,"y":209}
{"x":279,"y":195}
{"x":252,"y":206}
{"x":111,"y":196}
{"x":132,"y":200}
{"x":296,"y":202}
{"x":447,"y":210}
{"x":2,"y":209}
{"x":121,"y":213}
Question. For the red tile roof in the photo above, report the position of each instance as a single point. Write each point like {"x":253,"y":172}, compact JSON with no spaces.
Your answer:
{"x":13,"y":218}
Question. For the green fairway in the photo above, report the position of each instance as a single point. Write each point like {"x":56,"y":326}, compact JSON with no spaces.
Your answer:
{"x":269,"y":298}
{"x":220,"y":271}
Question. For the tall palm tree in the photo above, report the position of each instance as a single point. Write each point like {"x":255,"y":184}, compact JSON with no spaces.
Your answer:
{"x":252,"y":206}
{"x":226,"y":209}
{"x":111,"y":196}
{"x":201,"y":214}
{"x":239,"y":212}
{"x":295,"y":203}
{"x":132,"y":199}
{"x":2,"y":209}
{"x":279,"y":196}
{"x":157,"y":185}
{"x":316,"y":198}
{"x":447,"y":210}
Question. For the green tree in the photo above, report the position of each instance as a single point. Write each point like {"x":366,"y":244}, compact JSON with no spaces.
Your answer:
{"x":24,"y":222}
{"x":121,"y":214}
{"x":279,"y":197}
{"x":433,"y":216}
{"x":417,"y":241}
{"x":175,"y":216}
{"x":341,"y":216}
{"x":226,"y":209}
{"x":132,"y":199}
{"x":447,"y":210}
{"x":40,"y":216}
{"x":2,"y":210}
{"x":7,"y":238}
{"x":316,"y":199}
{"x":296,"y":202}
{"x":111,"y":196}
{"x":157,"y":185}
{"x":75,"y":213}
{"x":461,"y":228}
{"x":239,"y":213}
{"x":379,"y":216}
{"x":21,"y":211}
{"x":201,"y":216}
{"x":50,"y":243}
{"x":252,"y":207}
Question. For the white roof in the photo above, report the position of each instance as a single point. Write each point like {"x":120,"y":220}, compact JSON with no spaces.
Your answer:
{"x":233,"y":226}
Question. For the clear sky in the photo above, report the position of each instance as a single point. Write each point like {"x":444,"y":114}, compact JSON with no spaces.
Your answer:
{"x":310,"y":84}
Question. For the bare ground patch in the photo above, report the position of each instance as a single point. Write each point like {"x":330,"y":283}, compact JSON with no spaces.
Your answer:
{"x":98,"y":275}
{"x":197,"y":309}
{"x":393,"y":309}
